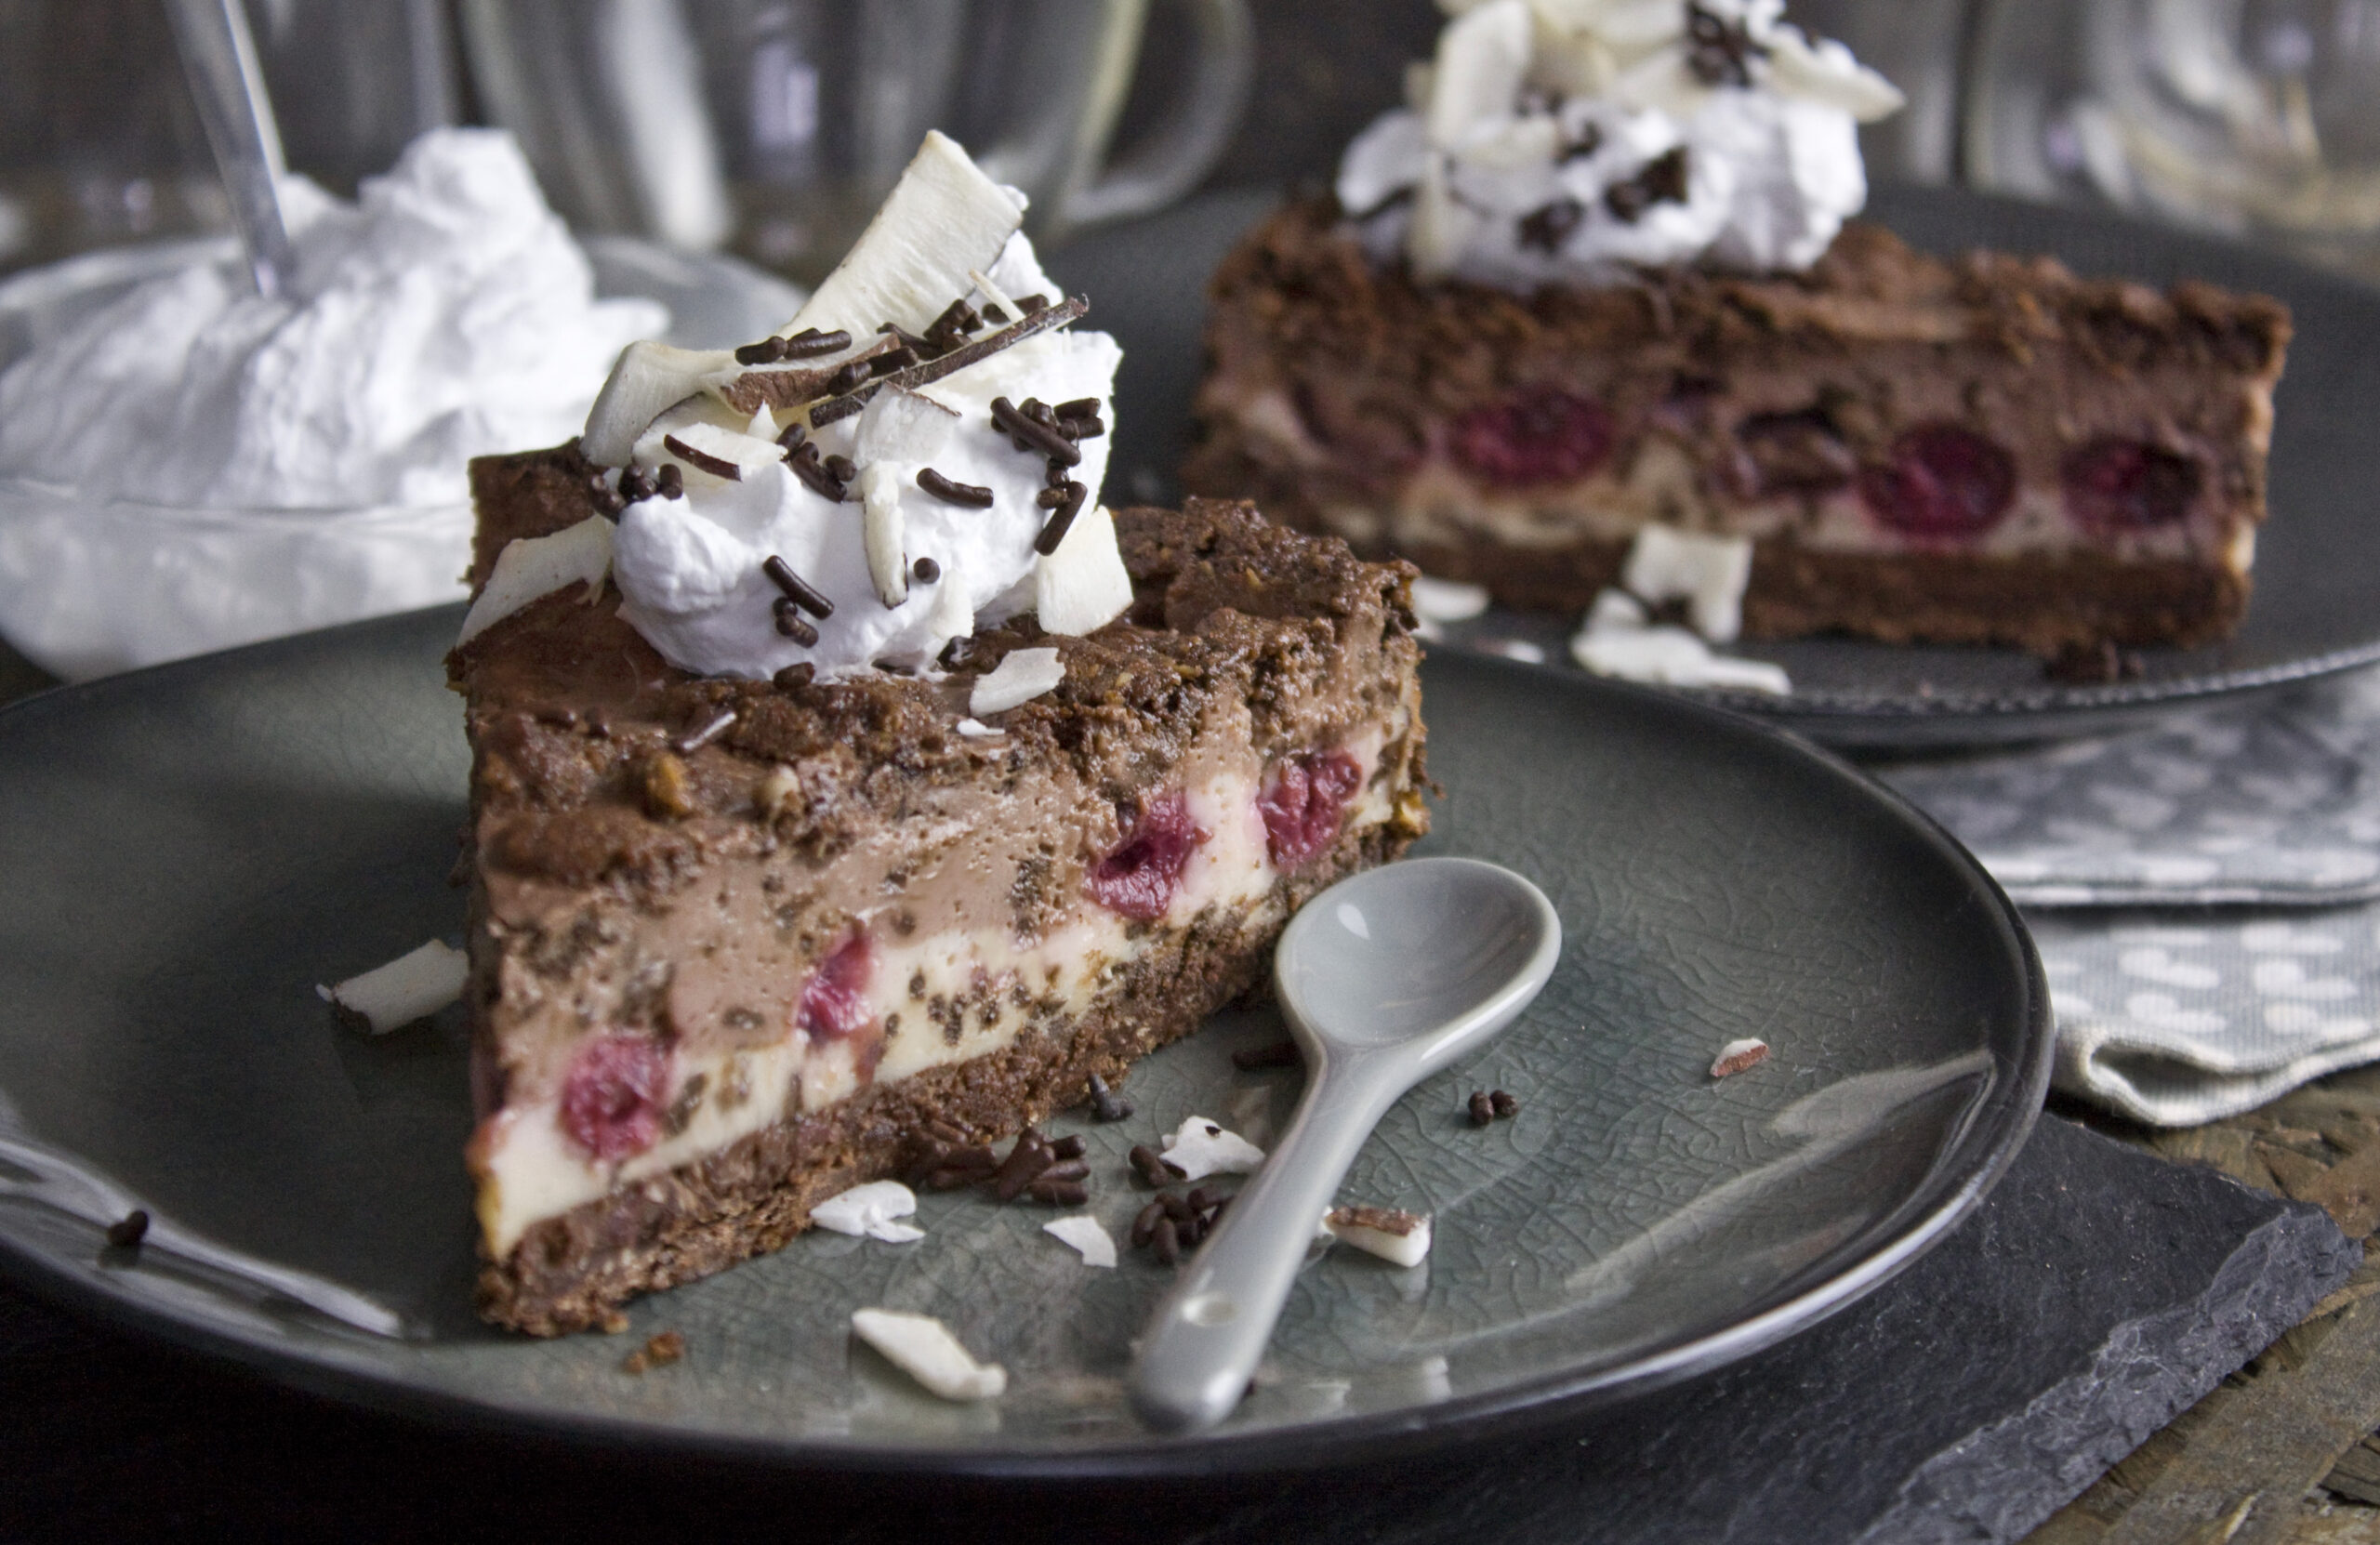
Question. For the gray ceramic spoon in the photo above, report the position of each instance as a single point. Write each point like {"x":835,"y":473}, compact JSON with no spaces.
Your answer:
{"x":1384,"y":979}
{"x":228,"y":85}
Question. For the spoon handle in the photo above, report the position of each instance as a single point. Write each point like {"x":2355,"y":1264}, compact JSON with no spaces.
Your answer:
{"x":1209,"y":1333}
{"x":220,"y":57}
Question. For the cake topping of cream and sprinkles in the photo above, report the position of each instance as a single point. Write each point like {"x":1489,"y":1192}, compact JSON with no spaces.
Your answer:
{"x":1572,"y":139}
{"x":884,"y":475}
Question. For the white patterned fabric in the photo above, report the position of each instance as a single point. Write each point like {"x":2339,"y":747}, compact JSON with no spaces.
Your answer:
{"x":2274,"y":802}
{"x":2205,"y":892}
{"x":2176,"y":1018}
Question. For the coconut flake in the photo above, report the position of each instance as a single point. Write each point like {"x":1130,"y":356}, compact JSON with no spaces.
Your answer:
{"x":1021,"y":676}
{"x":975,"y":729}
{"x":1402,"y":1238}
{"x":534,"y":566}
{"x":1736,"y":1056}
{"x":882,"y":532}
{"x":649,"y":379}
{"x":923,"y":1348}
{"x":1084,"y":585}
{"x":1201,"y":1148}
{"x":414,"y":985}
{"x":1448,"y":600}
{"x":1083,"y":1233}
{"x":1708,"y":573}
{"x":869,"y":1210}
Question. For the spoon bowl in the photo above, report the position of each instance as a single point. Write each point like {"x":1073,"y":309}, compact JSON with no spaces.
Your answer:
{"x":1384,"y":977}
{"x":1427,"y":954}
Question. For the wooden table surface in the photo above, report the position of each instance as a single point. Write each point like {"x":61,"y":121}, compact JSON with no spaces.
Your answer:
{"x":2284,"y":1452}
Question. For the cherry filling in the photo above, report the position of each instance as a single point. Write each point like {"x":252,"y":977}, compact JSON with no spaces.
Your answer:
{"x":2113,"y":486}
{"x":1305,"y":803}
{"x":1941,"y":481}
{"x":833,"y":1006}
{"x":611,"y":1102}
{"x":1540,"y":434}
{"x":1141,"y":875}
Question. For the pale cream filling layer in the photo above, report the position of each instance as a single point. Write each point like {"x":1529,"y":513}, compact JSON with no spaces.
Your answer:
{"x":532,"y":1171}
{"x":1436,"y":504}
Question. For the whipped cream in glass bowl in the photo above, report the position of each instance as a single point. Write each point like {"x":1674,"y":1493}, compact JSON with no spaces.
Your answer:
{"x":185,"y":466}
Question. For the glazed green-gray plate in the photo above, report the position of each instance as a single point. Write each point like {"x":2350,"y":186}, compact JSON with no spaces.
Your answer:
{"x":190,"y":849}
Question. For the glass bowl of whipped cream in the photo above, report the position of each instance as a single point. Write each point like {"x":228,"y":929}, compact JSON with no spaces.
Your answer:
{"x":186,"y":466}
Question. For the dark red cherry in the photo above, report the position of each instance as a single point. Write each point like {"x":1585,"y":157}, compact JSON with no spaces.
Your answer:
{"x":833,"y":1002}
{"x":611,"y":1101}
{"x":2113,"y":486}
{"x":1540,"y":434}
{"x":1304,"y":804}
{"x":1143,"y":874}
{"x":1942,"y":481}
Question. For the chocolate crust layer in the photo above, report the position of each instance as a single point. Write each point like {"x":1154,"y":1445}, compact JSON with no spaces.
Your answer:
{"x":596,"y":818}
{"x":1334,"y":384}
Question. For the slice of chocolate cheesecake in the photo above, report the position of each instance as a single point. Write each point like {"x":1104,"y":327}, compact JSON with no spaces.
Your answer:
{"x":1990,"y":450}
{"x":737,"y":946}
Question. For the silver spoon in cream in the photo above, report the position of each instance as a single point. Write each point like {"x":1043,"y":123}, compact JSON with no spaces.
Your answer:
{"x":1384,"y":979}
{"x":220,"y":57}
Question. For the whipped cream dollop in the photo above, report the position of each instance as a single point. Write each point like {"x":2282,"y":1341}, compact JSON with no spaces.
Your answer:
{"x":902,"y":570}
{"x":1572,"y":139}
{"x":445,"y":314}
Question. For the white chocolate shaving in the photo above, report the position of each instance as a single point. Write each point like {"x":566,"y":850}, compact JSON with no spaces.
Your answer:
{"x":1083,"y":1232}
{"x":535,"y":566}
{"x":414,"y":985}
{"x":1201,"y":1148}
{"x":923,"y":1348}
{"x":870,"y":1211}
{"x":1021,"y":676}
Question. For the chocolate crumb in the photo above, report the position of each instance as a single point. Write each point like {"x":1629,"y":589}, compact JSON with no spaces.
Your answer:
{"x":1283,"y":1053}
{"x":660,"y":1352}
{"x":1483,"y":1110}
{"x":127,"y":1232}
{"x":1105,"y":1104}
{"x":613,"y":1322}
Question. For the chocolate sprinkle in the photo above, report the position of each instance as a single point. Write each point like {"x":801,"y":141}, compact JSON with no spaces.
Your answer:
{"x":1590,"y":140}
{"x":793,"y":436}
{"x":807,"y":466}
{"x":791,"y":623}
{"x":894,"y":360}
{"x":1546,"y":229}
{"x":1144,"y":1222}
{"x":799,"y":674}
{"x":797,"y":588}
{"x":129,"y":1230}
{"x":1165,"y":1242}
{"x":1719,"y":52}
{"x":847,"y":378}
{"x":1152,"y":1167}
{"x":1033,"y":305}
{"x":1069,"y":1147}
{"x":1663,"y":179}
{"x":1503,"y":1104}
{"x":1055,"y":532}
{"x":717,"y":467}
{"x":855,"y":396}
{"x":1058,"y":1193}
{"x":1080,"y":407}
{"x":1023,"y":1166}
{"x":971,"y":495}
{"x":669,"y":482}
{"x":993,"y":315}
{"x":1482,"y":1110}
{"x":1040,"y":436}
{"x":637,"y":483}
{"x":925,"y":571}
{"x":841,"y":469}
{"x":810,"y":343}
{"x":768,"y":350}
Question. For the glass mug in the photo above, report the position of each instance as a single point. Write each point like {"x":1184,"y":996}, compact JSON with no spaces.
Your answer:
{"x":778,"y":127}
{"x":2252,"y":116}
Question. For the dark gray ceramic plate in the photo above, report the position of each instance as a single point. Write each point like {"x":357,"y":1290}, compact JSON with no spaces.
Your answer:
{"x":2316,"y":610}
{"x":190,"y":849}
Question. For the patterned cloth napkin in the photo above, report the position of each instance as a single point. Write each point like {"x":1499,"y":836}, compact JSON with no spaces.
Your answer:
{"x":2276,"y":801}
{"x":2205,"y":892}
